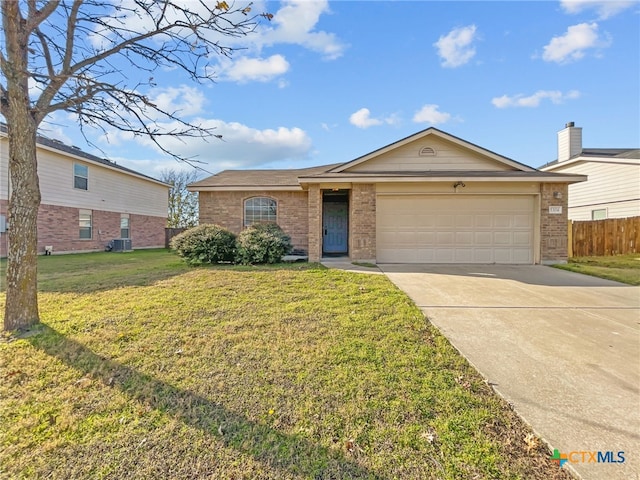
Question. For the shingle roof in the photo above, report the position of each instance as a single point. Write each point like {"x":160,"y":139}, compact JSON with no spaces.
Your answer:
{"x":259,"y":178}
{"x":73,"y":150}
{"x":627,"y":153}
{"x":611,"y":152}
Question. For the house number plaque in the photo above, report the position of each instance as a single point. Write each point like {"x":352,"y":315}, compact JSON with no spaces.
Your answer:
{"x":555,"y":209}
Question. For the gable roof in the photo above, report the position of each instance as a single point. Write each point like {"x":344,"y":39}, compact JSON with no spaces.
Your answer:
{"x":432,"y":131}
{"x":298,"y":179}
{"x":73,"y":151}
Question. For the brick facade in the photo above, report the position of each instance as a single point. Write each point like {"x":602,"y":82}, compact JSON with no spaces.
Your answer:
{"x":59,"y":227}
{"x":553,"y":227}
{"x":227,"y":210}
{"x":362,"y":222}
{"x":315,"y":223}
{"x":300,"y":216}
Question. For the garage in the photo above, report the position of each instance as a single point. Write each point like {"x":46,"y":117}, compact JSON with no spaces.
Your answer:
{"x":455,"y":229}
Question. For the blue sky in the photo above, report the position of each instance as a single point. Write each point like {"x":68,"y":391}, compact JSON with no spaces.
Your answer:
{"x":327,"y":82}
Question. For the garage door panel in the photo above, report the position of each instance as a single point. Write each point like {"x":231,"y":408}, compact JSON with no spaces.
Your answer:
{"x":444,"y":238}
{"x":502,"y":221}
{"x":444,"y":255}
{"x":483,"y":238}
{"x":502,"y":255}
{"x":463,"y":255}
{"x":445,"y":221}
{"x":502,"y":238}
{"x":425,"y":255}
{"x":522,"y":221}
{"x":425,"y":238}
{"x":483,"y":221}
{"x":464,"y":238}
{"x":522,"y":255}
{"x":464,"y":221}
{"x":455,"y":229}
{"x":522,"y":238}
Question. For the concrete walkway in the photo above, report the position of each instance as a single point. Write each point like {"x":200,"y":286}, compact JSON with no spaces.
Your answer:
{"x":563,"y":348}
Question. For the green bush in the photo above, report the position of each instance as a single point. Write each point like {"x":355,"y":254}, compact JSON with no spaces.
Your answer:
{"x":205,"y":244}
{"x":262,"y":243}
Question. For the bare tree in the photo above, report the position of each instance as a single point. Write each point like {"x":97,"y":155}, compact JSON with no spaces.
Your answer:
{"x":83,"y":57}
{"x":183,"y":204}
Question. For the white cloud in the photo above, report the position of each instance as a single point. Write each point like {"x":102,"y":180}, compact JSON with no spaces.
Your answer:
{"x":430,"y":114}
{"x":534,"y":100}
{"x":254,"y":69}
{"x":184,"y":101}
{"x":295,"y":23}
{"x":456,"y":47}
{"x":604,"y":8}
{"x":362,"y":119}
{"x":241,"y":146}
{"x":573,"y":44}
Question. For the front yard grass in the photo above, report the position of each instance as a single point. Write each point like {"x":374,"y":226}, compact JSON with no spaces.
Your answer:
{"x":621,"y":268}
{"x":288,"y":372}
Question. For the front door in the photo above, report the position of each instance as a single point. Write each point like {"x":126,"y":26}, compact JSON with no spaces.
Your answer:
{"x":335,"y":228}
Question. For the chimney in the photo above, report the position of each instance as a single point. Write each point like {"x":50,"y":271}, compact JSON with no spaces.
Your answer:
{"x":569,"y":142}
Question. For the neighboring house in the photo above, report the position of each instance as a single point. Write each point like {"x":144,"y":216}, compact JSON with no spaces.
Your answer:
{"x":428,"y":198}
{"x":613,"y":186}
{"x":88,"y":201}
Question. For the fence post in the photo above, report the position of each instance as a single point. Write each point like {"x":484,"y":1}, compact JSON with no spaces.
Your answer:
{"x":570,"y":238}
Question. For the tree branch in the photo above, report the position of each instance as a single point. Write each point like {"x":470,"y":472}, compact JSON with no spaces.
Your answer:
{"x":36,"y":17}
{"x":45,"y":52}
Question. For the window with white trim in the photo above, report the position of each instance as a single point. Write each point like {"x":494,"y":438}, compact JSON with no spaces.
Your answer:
{"x":80,"y":176}
{"x":599,"y":214}
{"x":125,"y":230}
{"x":260,"y":210}
{"x":86,"y":224}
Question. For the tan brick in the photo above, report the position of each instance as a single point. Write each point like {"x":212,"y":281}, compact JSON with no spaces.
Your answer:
{"x":227,"y":210}
{"x":553,"y":227}
{"x":362,"y":222}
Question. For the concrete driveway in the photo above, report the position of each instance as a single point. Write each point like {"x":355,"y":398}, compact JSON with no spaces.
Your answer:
{"x":563,"y":348}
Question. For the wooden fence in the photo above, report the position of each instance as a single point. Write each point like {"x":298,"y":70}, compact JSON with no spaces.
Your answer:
{"x":169,"y":233}
{"x":613,"y":236}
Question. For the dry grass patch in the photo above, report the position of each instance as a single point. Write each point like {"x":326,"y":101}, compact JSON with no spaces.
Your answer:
{"x":289,"y":373}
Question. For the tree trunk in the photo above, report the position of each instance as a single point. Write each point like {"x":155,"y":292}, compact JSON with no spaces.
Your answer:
{"x":21,"y":307}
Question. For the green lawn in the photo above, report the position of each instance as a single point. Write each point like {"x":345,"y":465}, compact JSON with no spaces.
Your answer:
{"x":145,"y":368}
{"x":621,"y":268}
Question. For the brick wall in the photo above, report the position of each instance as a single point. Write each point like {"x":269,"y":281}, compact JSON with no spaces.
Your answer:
{"x":227,"y":210}
{"x":314,"y":220}
{"x":362,"y":221}
{"x":59,"y":227}
{"x":553,"y":227}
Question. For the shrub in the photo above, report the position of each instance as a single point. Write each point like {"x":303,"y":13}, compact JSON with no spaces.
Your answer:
{"x":262,"y":243}
{"x":205,"y":244}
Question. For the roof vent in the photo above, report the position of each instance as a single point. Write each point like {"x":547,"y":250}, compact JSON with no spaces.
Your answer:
{"x":427,"y":152}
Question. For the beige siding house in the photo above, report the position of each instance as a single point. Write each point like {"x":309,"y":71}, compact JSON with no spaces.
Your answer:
{"x":428,"y":198}
{"x":88,"y":201}
{"x":613,"y":186}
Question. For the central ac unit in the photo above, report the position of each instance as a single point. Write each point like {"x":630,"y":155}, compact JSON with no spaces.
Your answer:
{"x":122,"y":245}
